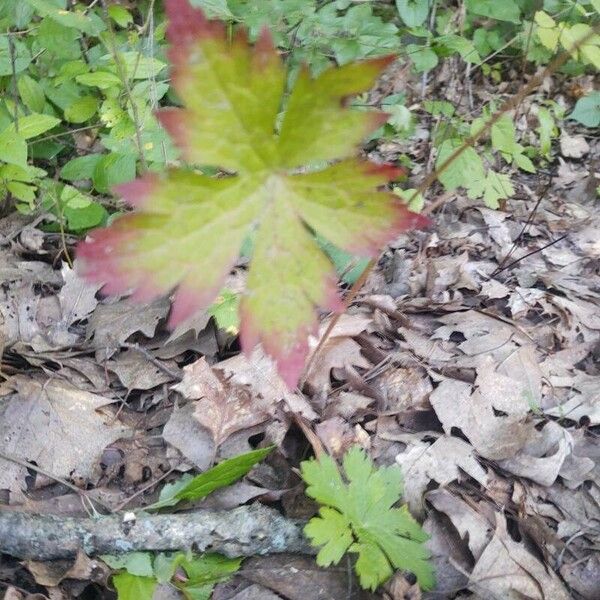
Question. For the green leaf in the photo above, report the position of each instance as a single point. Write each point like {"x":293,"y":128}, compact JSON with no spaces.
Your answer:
{"x":349,"y":268}
{"x":75,"y":19}
{"x":462,"y":171}
{"x":32,"y":93}
{"x":80,"y":211}
{"x":359,"y":515}
{"x":524,"y":162}
{"x":112,"y":169}
{"x":415,"y":199}
{"x":493,"y":187}
{"x":547,"y":129}
{"x":138,"y":66}
{"x":225,"y":311}
{"x":132,"y":587}
{"x":120,"y":15}
{"x":101,"y":79}
{"x":83,"y":109}
{"x":423,"y":57}
{"x":80,"y":168}
{"x":209,"y":569}
{"x":135,"y":563}
{"x":21,"y":191}
{"x":280,"y":185}
{"x":224,"y":474}
{"x":33,"y":125}
{"x":214,"y":9}
{"x":413,"y":12}
{"x":587,"y":110}
{"x":13,"y":149}
{"x":22,"y":56}
{"x":504,"y":10}
{"x":504,"y":135}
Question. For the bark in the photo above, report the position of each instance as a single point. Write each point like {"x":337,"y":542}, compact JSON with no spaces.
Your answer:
{"x":244,"y":531}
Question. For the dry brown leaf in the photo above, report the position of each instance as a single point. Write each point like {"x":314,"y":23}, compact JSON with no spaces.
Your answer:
{"x":135,"y":371}
{"x":220,"y":406}
{"x":492,"y":437}
{"x":507,"y":571}
{"x":259,"y":373}
{"x":111,"y":324}
{"x":441,"y":461}
{"x":573,"y":146}
{"x":55,"y":425}
{"x":543,"y":457}
{"x":403,"y":389}
{"x":472,"y":526}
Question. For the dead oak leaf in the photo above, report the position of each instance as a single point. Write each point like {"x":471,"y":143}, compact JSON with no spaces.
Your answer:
{"x":220,"y":407}
{"x":56,"y":426}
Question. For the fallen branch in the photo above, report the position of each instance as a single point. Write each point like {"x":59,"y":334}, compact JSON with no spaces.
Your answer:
{"x":244,"y":531}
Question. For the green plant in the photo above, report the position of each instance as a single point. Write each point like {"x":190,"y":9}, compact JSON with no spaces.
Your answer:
{"x":140,"y":572}
{"x":193,"y":575}
{"x":358,"y":515}
{"x":279,"y":190}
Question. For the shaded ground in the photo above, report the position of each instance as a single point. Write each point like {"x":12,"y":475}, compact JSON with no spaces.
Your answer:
{"x":470,"y":359}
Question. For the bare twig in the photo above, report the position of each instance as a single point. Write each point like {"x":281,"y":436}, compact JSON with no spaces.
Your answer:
{"x":244,"y":531}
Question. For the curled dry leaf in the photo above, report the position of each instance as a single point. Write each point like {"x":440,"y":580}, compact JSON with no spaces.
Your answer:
{"x":219,"y":407}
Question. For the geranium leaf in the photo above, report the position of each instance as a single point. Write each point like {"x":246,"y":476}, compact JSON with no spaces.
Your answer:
{"x":279,"y":185}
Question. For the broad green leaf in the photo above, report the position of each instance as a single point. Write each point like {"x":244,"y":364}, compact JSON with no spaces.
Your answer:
{"x":138,"y":66}
{"x":413,"y":12}
{"x":349,"y":268}
{"x":224,"y":474}
{"x":22,"y":56}
{"x":33,"y":125}
{"x":83,"y":109}
{"x":135,"y":563}
{"x":462,"y":171}
{"x":493,"y":187}
{"x":32,"y":93}
{"x":214,"y":9}
{"x":76,"y":18}
{"x":587,"y":110}
{"x":547,"y":129}
{"x":80,"y":168}
{"x":423,"y":57}
{"x":225,"y":310}
{"x":80,"y":211}
{"x":524,"y":162}
{"x":502,"y":10}
{"x":13,"y":149}
{"x":113,"y":169}
{"x":188,"y":228}
{"x":415,"y":199}
{"x":132,"y":587}
{"x":21,"y":191}
{"x":358,"y":515}
{"x":120,"y":15}
{"x":101,"y":79}
{"x":504,"y":135}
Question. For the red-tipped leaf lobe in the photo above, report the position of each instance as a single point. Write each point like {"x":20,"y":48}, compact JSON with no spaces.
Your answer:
{"x":187,"y":229}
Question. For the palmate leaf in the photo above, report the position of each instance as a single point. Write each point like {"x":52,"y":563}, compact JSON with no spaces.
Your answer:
{"x":188,"y":228}
{"x":358,"y":515}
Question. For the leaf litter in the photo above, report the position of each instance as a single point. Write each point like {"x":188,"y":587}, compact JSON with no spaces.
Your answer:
{"x":480,"y":379}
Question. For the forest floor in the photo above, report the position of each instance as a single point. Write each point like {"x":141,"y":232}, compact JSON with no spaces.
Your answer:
{"x":471,"y":358}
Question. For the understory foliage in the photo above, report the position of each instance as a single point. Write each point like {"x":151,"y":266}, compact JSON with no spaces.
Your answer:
{"x":277,"y":189}
{"x":358,"y":516}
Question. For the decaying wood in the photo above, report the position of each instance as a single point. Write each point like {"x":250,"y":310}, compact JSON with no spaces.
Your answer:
{"x":244,"y":531}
